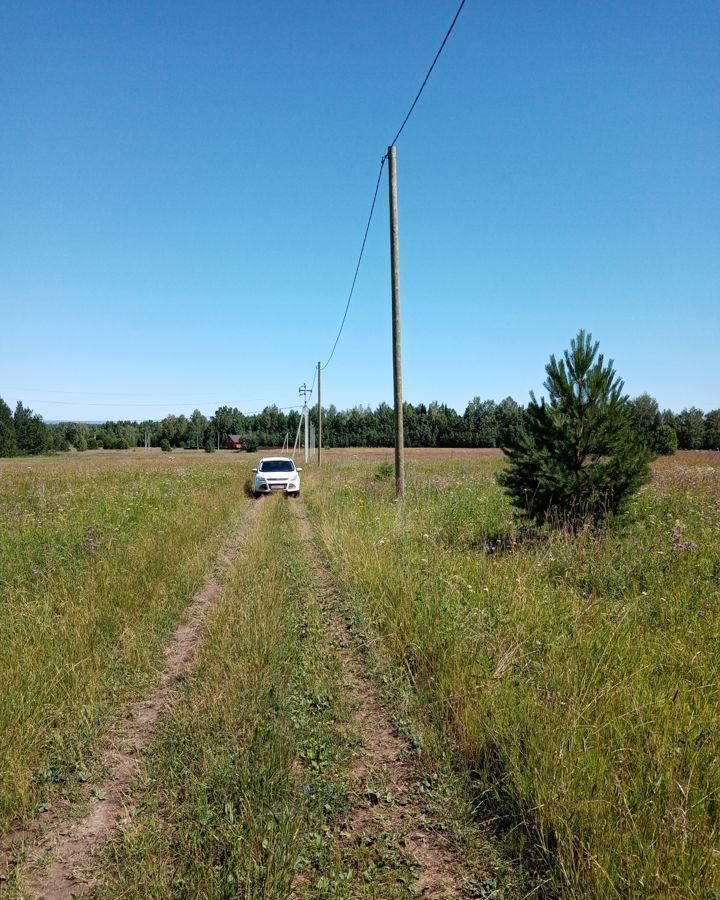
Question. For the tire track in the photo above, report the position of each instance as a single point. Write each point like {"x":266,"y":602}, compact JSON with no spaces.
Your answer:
{"x":384,"y":757}
{"x":69,"y":843}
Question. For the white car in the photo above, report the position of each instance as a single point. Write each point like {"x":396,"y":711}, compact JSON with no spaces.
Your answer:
{"x":277,"y":473}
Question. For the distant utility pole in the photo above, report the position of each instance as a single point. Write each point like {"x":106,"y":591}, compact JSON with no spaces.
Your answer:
{"x":397,"y":356}
{"x":305,"y":390}
{"x":319,"y":416}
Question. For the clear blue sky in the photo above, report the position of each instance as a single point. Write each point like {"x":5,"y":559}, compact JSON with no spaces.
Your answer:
{"x":185,"y":186}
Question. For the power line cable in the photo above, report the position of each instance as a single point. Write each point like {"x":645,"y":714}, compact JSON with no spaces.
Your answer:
{"x":129,"y":397}
{"x":136,"y":405}
{"x":377,"y":185}
{"x":429,"y":72}
{"x":357,"y":267}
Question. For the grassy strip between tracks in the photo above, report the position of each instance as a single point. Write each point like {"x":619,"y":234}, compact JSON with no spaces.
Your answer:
{"x":576,"y":679}
{"x":249,"y":765}
{"x":98,"y":560}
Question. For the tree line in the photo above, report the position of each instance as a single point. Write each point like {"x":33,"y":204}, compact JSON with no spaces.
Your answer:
{"x":484,"y":423}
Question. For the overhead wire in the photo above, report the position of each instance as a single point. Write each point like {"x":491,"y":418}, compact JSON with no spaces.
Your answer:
{"x":127,"y":403}
{"x":357,"y":267}
{"x":377,"y":185}
{"x":429,"y":72}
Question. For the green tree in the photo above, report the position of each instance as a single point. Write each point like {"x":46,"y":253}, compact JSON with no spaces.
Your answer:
{"x":198,"y":424}
{"x":384,"y":431}
{"x":481,"y":418}
{"x":712,"y":430}
{"x":419,"y":432}
{"x":646,"y":420}
{"x":666,"y":442}
{"x":690,"y":427}
{"x":225,"y":421}
{"x":31,"y":433}
{"x":250,"y":440}
{"x":577,"y":458}
{"x":510,"y":421}
{"x":8,"y":443}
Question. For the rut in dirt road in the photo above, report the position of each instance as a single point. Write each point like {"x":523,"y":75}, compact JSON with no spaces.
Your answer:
{"x":384,"y":757}
{"x":70,"y":843}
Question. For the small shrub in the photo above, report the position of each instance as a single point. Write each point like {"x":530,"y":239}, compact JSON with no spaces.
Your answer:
{"x":384,"y":472}
{"x":165,"y":445}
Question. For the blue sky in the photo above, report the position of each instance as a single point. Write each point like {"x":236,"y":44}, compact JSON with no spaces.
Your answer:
{"x":185,"y":188}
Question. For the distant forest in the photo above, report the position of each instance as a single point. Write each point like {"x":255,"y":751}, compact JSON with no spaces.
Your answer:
{"x":484,"y":423}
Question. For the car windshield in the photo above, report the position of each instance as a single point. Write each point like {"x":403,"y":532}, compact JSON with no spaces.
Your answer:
{"x":277,"y":465}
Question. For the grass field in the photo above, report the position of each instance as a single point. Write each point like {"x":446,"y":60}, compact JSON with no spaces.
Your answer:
{"x":562,"y":692}
{"x":99,"y":555}
{"x":578,"y":677}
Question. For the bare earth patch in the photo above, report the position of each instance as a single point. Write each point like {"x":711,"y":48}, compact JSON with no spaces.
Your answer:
{"x":60,"y":849}
{"x":385,"y":758}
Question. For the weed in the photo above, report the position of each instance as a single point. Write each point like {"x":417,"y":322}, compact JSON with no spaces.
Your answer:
{"x":385,"y":471}
{"x":574,"y":676}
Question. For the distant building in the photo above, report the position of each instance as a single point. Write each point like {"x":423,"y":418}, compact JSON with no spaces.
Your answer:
{"x":234,"y":442}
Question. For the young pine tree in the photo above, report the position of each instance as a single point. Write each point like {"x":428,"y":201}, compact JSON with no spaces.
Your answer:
{"x":577,"y":458}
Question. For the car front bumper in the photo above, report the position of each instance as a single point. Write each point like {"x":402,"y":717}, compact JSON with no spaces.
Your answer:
{"x":277,"y":487}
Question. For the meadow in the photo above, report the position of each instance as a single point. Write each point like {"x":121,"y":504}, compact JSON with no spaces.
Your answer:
{"x":577,"y":676}
{"x":561,"y":692}
{"x":99,"y":555}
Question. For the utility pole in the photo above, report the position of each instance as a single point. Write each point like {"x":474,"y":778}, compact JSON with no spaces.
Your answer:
{"x":397,"y":356}
{"x":305,"y":390}
{"x":297,"y":438}
{"x":319,"y":417}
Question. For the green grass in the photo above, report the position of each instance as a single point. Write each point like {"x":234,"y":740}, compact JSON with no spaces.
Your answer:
{"x":248,"y":788}
{"x":571,"y":683}
{"x":247,"y":769}
{"x":99,"y":555}
{"x":576,"y":678}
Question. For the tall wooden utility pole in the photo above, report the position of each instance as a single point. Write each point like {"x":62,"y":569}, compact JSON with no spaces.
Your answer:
{"x":319,"y":417}
{"x":397,"y":356}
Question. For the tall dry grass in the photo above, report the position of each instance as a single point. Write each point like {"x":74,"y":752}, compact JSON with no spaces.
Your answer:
{"x":99,"y":555}
{"x":578,"y":676}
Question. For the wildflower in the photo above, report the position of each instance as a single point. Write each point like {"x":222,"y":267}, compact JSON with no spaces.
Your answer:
{"x":678,"y":544}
